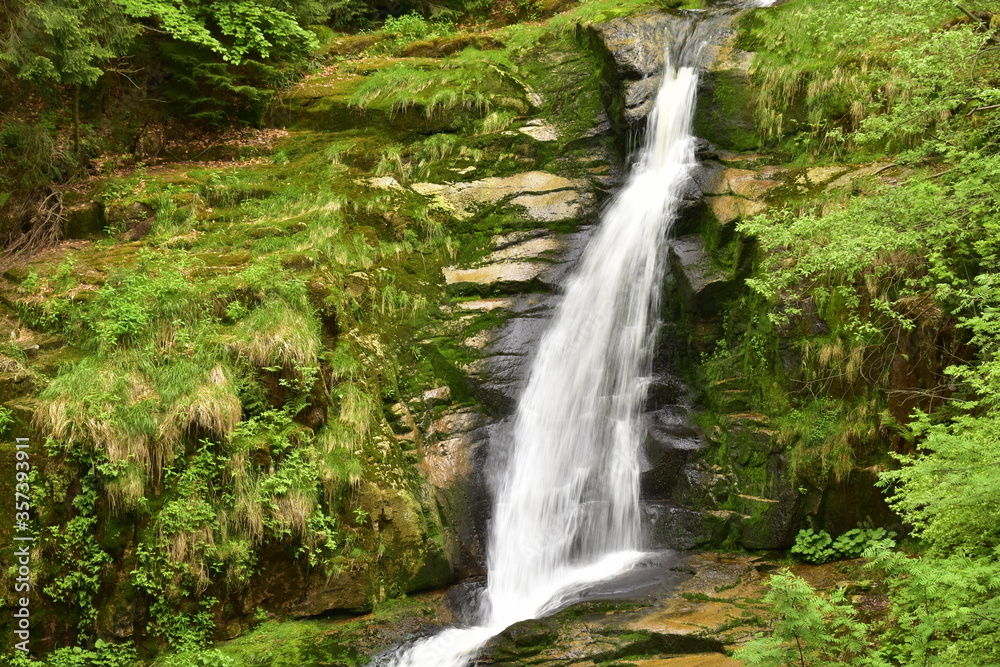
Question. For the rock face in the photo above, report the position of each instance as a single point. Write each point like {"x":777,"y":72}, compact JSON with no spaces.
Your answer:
{"x":631,"y":51}
{"x":703,"y":286}
{"x":543,"y":196}
{"x":525,"y":263}
{"x":698,"y":616}
{"x":725,"y":99}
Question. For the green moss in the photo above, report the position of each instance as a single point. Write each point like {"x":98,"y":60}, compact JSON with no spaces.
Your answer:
{"x":725,"y":112}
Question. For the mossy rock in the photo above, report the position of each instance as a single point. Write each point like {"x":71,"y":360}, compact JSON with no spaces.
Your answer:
{"x":725,"y":111}
{"x":84,"y":219}
{"x":523,"y":639}
{"x":439,"y":47}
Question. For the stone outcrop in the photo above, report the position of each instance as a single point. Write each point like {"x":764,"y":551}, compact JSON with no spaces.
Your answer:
{"x":544,"y":197}
{"x":518,"y":262}
{"x":631,"y":52}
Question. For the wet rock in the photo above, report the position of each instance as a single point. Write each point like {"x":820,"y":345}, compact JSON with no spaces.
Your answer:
{"x":665,"y":390}
{"x":631,"y":49}
{"x":639,"y":97}
{"x":119,"y":214}
{"x":15,"y":383}
{"x":503,"y":303}
{"x":670,"y":428}
{"x":672,"y":527}
{"x":546,"y":197}
{"x":383,"y":183}
{"x":352,"y":44}
{"x":456,"y":422}
{"x":493,"y":189}
{"x":725,"y":110}
{"x":635,"y":43}
{"x":137,"y":230}
{"x":848,"y":179}
{"x":703,"y":287}
{"x":771,"y":523}
{"x":525,"y":246}
{"x":502,"y":277}
{"x":342,"y":591}
{"x":853,"y":500}
{"x":16,"y":273}
{"x":696,"y":660}
{"x":714,"y":178}
{"x":819,"y":175}
{"x":116,"y":618}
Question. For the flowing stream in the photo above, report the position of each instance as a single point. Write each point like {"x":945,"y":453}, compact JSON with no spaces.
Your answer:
{"x":566,"y":512}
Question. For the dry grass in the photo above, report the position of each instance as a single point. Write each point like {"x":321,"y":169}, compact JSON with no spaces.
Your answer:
{"x":276,"y":334}
{"x":213,"y":408}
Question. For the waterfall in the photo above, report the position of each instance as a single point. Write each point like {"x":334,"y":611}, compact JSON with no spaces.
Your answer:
{"x":566,"y":512}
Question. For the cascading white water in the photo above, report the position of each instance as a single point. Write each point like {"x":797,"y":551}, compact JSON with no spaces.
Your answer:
{"x":566,"y":512}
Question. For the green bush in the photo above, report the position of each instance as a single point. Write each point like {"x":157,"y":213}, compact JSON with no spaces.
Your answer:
{"x":819,"y":547}
{"x":809,"y":629}
{"x":411,"y":26}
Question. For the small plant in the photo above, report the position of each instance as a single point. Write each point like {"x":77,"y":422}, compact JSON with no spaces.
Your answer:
{"x":814,"y":547}
{"x":819,"y":547}
{"x":413,"y":26}
{"x":809,"y":629}
{"x":6,"y":419}
{"x":854,"y":543}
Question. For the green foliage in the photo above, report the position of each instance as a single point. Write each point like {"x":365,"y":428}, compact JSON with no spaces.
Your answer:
{"x":209,"y":658}
{"x":80,"y":557}
{"x":907,"y":258}
{"x":507,"y":11}
{"x":232,"y":370}
{"x":809,"y":630}
{"x":184,"y":632}
{"x":29,"y":151}
{"x":945,"y":607}
{"x":104,"y":654}
{"x":413,"y":26}
{"x":814,"y":546}
{"x":6,"y":419}
{"x":819,"y":547}
{"x":241,"y":28}
{"x":474,"y":81}
{"x":128,"y":307}
{"x":878,"y":75}
{"x":66,"y":42}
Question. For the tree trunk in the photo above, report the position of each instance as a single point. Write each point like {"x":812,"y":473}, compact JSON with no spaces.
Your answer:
{"x":76,"y":119}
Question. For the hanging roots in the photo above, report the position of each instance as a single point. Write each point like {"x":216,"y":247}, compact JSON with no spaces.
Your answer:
{"x":36,"y":224}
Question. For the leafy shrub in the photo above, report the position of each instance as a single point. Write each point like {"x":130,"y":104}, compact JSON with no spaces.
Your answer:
{"x":104,"y":654}
{"x":886,"y":73}
{"x":854,"y":543}
{"x":814,"y":547}
{"x":819,"y":547}
{"x":412,"y":26}
{"x":809,"y":629}
{"x":6,"y":419}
